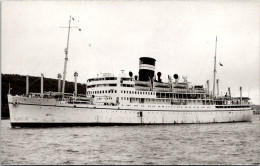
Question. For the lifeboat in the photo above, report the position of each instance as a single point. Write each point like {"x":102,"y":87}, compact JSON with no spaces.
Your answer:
{"x":143,"y":83}
{"x":142,"y":88}
{"x":160,"y":89}
{"x":161,"y":85}
{"x":180,"y":85}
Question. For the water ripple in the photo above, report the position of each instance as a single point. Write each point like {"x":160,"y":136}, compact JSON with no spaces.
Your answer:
{"x":223,"y":143}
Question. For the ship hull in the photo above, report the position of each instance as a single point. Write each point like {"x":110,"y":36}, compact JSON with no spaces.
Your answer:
{"x":31,"y":112}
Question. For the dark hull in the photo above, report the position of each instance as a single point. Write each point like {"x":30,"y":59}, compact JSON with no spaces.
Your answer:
{"x":46,"y":125}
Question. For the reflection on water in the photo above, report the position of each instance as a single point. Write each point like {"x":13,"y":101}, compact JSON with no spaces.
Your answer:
{"x":223,"y":143}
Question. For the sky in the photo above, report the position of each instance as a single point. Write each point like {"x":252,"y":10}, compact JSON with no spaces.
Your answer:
{"x":180,"y":35}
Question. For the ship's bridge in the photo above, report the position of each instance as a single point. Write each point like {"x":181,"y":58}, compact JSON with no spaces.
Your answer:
{"x":109,"y":80}
{"x":108,"y":84}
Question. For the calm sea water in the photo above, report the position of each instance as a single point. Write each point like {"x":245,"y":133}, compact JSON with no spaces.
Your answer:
{"x":224,"y":143}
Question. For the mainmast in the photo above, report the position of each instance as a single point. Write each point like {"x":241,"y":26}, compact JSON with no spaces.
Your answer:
{"x":65,"y":63}
{"x":215,"y":71}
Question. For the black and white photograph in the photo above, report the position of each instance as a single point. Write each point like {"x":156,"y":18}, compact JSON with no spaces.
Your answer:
{"x":130,"y":82}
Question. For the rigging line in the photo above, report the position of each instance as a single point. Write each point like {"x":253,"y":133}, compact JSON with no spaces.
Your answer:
{"x":70,"y":72}
{"x":78,"y":52}
{"x":95,"y":52}
{"x":52,"y":68}
{"x":71,"y":68}
{"x":74,"y":56}
{"x":51,"y":47}
{"x":30,"y":84}
{"x":210,"y":83}
{"x":83,"y":46}
{"x":205,"y":69}
{"x":83,"y":81}
{"x":215,"y":70}
{"x":91,"y":46}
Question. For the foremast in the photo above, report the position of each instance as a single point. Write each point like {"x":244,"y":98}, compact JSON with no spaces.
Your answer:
{"x":65,"y":62}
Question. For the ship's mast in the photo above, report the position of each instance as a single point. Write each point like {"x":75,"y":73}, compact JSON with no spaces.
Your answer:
{"x":215,"y":71}
{"x":65,"y":63}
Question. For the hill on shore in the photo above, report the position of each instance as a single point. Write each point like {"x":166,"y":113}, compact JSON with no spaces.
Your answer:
{"x":18,"y":85}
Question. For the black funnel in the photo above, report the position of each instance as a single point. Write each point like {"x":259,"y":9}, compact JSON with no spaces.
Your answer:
{"x":146,"y":68}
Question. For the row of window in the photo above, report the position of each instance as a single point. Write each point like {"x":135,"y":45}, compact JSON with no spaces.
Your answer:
{"x":235,"y":106}
{"x":127,"y":85}
{"x":108,"y":78}
{"x":137,"y":92}
{"x":102,"y":91}
{"x":126,"y":79}
{"x":99,"y":79}
{"x":196,"y":107}
{"x":158,"y":95}
{"x":109,"y":85}
{"x":122,"y":91}
{"x":182,"y":96}
{"x":150,"y":100}
{"x":101,"y":85}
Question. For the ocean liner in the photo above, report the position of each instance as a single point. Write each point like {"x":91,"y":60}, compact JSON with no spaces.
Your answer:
{"x":142,"y":99}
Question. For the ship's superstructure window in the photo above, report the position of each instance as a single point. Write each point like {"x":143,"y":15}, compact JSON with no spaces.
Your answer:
{"x":91,"y":86}
{"x":126,"y":79}
{"x":157,"y":101}
{"x":102,"y":92}
{"x":100,"y":79}
{"x":127,"y":85}
{"x":101,"y":85}
{"x":181,"y":96}
{"x":236,"y":106}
